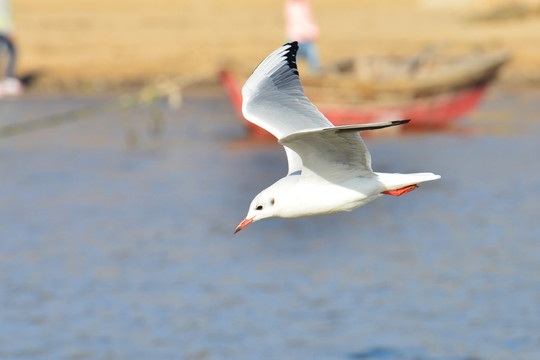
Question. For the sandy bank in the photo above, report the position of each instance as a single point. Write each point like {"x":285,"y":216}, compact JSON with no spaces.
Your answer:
{"x":93,"y":44}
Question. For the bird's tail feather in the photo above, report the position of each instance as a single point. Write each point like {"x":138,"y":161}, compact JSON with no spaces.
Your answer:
{"x":398,"y":181}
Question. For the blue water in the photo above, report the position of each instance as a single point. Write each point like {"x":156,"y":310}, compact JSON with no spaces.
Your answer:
{"x":116,"y":242}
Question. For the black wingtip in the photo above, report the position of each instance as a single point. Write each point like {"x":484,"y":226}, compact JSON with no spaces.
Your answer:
{"x":291,"y":55}
{"x":400,"y":122}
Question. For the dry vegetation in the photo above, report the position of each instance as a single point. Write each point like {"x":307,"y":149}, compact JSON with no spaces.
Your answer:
{"x":93,"y":44}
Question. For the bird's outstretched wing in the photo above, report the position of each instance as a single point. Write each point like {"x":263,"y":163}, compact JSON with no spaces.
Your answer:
{"x":335,"y":153}
{"x":273,"y":98}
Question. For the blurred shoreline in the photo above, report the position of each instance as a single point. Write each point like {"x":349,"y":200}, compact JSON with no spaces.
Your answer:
{"x":99,"y":46}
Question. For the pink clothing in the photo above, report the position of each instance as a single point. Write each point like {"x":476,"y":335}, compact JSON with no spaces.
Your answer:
{"x":300,"y":23}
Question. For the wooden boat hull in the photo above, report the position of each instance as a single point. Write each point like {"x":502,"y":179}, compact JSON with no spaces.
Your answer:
{"x":434,"y":110}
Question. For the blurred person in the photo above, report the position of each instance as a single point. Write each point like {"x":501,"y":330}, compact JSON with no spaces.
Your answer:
{"x":300,"y":26}
{"x":9,"y":85}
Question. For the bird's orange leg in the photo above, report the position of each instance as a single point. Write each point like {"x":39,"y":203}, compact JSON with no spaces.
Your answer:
{"x":401,"y":191}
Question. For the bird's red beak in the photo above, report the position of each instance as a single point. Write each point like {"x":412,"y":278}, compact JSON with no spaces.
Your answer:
{"x":243,"y":224}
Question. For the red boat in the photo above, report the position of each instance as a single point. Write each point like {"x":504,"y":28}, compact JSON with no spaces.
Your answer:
{"x":431,"y":92}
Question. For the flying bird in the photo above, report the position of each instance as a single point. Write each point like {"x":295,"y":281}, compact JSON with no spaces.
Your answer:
{"x":329,"y":166}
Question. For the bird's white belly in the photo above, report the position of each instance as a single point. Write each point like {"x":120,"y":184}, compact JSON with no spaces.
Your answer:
{"x":326,"y":198}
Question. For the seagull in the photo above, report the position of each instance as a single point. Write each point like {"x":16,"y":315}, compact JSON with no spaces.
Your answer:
{"x":329,"y":167}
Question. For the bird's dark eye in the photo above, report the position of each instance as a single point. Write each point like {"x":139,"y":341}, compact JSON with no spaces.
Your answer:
{"x":259,"y":207}
{"x":272,"y":201}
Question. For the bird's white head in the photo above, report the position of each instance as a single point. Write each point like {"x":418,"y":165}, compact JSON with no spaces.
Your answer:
{"x":275,"y":201}
{"x":263,"y":206}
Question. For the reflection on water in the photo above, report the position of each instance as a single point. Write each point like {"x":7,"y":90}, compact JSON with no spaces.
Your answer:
{"x":116,"y":243}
